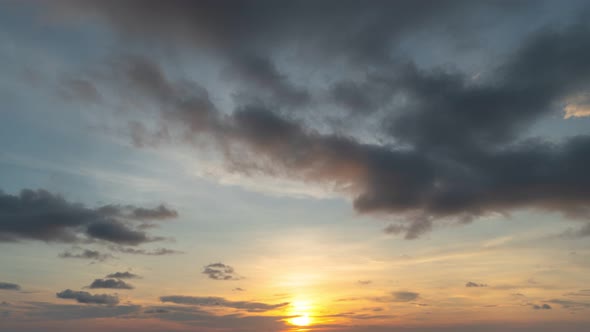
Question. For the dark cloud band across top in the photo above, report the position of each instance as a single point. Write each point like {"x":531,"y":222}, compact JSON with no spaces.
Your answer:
{"x":447,"y":145}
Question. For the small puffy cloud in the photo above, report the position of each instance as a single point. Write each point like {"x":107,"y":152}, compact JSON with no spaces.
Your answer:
{"x":364,"y":282}
{"x":544,"y":306}
{"x":110,"y":283}
{"x":9,"y":286}
{"x":220,"y":271}
{"x":221,"y":302}
{"x":404,"y":296}
{"x":474,"y":284}
{"x":85,"y":297}
{"x":238,"y":289}
{"x":85,"y":254}
{"x":123,"y":275}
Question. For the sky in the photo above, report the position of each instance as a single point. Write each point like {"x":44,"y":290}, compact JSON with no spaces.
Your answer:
{"x":334,"y":165}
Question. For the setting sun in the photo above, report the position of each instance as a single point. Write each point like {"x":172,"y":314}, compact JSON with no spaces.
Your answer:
{"x":300,"y":310}
{"x":301,"y":320}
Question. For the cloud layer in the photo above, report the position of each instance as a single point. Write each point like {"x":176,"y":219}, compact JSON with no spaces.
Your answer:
{"x":444,"y":145}
{"x":221,"y":302}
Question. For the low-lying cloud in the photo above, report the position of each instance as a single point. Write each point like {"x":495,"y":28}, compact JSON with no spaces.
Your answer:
{"x":470,"y":284}
{"x":85,"y":297}
{"x":404,"y":296}
{"x":221,"y":302}
{"x":9,"y":286}
{"x":80,"y":253}
{"x":123,"y":275}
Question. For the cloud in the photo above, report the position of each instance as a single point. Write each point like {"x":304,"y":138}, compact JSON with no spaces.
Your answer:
{"x":568,"y":304}
{"x":9,"y":286}
{"x":220,"y":271}
{"x":364,"y":282}
{"x":85,"y":254}
{"x":155,"y":252}
{"x":221,"y":302}
{"x":544,"y":306}
{"x":474,"y":284}
{"x":445,"y":147}
{"x":580,"y":232}
{"x":85,"y":297}
{"x":110,"y":283}
{"x":583,"y":292}
{"x":404,"y":296}
{"x":123,"y":275}
{"x":41,"y":215}
{"x":157,"y":311}
{"x":238,"y":289}
{"x":60,"y":312}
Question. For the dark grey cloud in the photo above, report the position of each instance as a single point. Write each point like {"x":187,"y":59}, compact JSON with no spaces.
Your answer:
{"x":110,"y":283}
{"x":474,"y":284}
{"x":260,"y":72}
{"x":221,"y":302}
{"x":9,"y":286}
{"x":85,"y":297}
{"x":123,"y":275}
{"x":544,"y":306}
{"x":157,"y":311}
{"x":41,"y":215}
{"x":220,"y":271}
{"x":86,"y":254}
{"x":404,"y":296}
{"x":356,"y":30}
{"x":448,"y":146}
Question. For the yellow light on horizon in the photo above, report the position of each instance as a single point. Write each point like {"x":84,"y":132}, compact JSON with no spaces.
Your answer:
{"x":301,"y":310}
{"x":303,"y":320}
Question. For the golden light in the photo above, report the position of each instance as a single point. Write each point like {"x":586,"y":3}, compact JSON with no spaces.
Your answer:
{"x":301,"y":311}
{"x":301,"y":320}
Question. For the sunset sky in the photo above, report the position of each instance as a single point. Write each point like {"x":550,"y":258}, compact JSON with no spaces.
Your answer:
{"x":330,"y":165}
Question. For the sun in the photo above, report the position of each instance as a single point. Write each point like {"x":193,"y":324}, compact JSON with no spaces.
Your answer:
{"x":303,"y":320}
{"x":300,"y":311}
